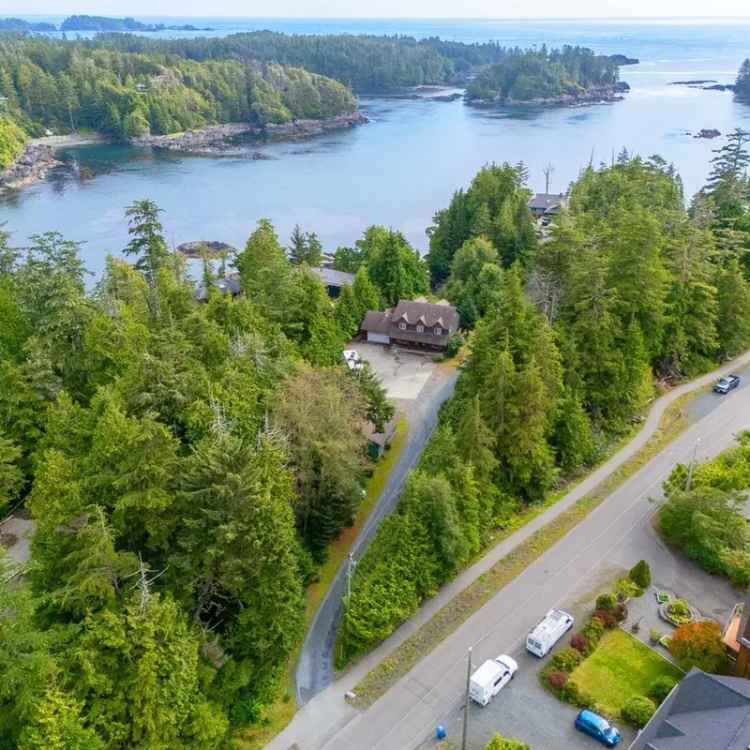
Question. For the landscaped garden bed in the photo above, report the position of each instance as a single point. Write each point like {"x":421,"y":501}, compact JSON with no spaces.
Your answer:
{"x":608,"y":670}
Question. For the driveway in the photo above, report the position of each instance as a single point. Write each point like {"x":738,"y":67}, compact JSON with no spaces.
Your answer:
{"x":427,"y":386}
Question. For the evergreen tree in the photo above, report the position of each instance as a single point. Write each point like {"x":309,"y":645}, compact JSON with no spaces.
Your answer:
{"x":733,"y":322}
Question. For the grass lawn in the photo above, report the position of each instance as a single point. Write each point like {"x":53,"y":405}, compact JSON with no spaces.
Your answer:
{"x":620,"y":668}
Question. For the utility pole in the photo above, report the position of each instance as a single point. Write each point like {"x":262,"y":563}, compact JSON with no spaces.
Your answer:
{"x":547,"y":171}
{"x":349,"y":573}
{"x":468,"y":699}
{"x":689,"y":482}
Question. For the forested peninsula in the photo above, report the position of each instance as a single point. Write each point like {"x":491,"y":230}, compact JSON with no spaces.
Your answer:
{"x":567,"y":76}
{"x":742,"y":86}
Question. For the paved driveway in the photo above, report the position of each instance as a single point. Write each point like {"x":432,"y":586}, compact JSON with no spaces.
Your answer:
{"x":403,"y":373}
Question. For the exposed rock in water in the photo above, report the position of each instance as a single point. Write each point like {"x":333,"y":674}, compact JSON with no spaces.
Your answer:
{"x":707,"y":133}
{"x":719,"y":87}
{"x":604,"y":94}
{"x":696,"y":82}
{"x":216,"y":139}
{"x":446,"y":97}
{"x":32,"y":165}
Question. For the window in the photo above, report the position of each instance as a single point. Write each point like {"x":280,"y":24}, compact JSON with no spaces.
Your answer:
{"x":420,"y":328}
{"x":402,"y":326}
{"x":438,"y":331}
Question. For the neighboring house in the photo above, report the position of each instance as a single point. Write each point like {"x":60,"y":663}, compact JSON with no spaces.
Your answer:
{"x":546,"y":205}
{"x":703,"y":712}
{"x":228,"y":285}
{"x":413,"y":323}
{"x":334,"y":281}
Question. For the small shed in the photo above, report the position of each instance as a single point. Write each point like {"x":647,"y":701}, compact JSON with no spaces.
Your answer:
{"x":377,"y":442}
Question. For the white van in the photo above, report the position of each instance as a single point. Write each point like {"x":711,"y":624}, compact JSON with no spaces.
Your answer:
{"x":491,"y":678}
{"x":548,"y":632}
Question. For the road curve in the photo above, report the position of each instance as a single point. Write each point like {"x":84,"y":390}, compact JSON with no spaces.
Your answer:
{"x":315,"y":666}
{"x":327,"y":721}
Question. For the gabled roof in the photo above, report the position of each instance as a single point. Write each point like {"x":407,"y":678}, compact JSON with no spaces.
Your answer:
{"x":545,"y":201}
{"x":704,"y":712}
{"x":427,"y":313}
{"x":228,"y":285}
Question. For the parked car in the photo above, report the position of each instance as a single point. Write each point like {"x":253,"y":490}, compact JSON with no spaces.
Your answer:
{"x":491,"y":678}
{"x":727,"y":384}
{"x":597,"y":727}
{"x":548,"y":632}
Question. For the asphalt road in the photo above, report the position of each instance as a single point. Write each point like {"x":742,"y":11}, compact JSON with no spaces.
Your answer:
{"x":315,"y":666}
{"x":406,"y":715}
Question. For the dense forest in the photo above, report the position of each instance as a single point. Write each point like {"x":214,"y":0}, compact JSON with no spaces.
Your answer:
{"x":570,"y":334}
{"x":742,"y":86}
{"x":365,"y":63}
{"x":543,"y":74}
{"x":71,"y":86}
{"x":186,"y":465}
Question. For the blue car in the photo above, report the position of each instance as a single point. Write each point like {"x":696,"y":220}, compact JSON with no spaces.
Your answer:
{"x":597,"y":727}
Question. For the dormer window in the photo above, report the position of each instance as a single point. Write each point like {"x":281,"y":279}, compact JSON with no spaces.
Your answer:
{"x":438,"y":331}
{"x":420,"y":328}
{"x":402,"y":326}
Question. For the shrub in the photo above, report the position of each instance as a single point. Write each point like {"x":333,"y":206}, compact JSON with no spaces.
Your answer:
{"x":593,"y":631}
{"x":638,"y":710}
{"x":566,"y":660}
{"x":620,"y":612}
{"x":699,"y":644}
{"x":503,"y":743}
{"x":625,"y":589}
{"x":661,"y":687}
{"x":455,"y":342}
{"x":606,"y":602}
{"x":580,"y":642}
{"x":571,"y":693}
{"x":679,"y":611}
{"x":654,"y":636}
{"x":557,"y":679}
{"x":607,"y":618}
{"x":640,"y":574}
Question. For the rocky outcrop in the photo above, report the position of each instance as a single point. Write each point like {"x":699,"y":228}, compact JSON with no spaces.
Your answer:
{"x":216,"y":139}
{"x":32,"y":165}
{"x":624,"y":60}
{"x":600,"y":95}
{"x":708,"y":133}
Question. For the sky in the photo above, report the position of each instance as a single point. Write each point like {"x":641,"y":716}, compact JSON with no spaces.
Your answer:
{"x":385,"y":8}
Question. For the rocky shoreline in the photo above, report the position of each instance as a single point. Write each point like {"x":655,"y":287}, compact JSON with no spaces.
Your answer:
{"x":32,"y":165}
{"x":604,"y":95}
{"x":217,"y":139}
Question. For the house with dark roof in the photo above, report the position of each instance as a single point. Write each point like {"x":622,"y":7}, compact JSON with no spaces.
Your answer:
{"x":230,"y":284}
{"x":333,"y":280}
{"x":413,"y":323}
{"x":546,"y":205}
{"x":703,"y":712}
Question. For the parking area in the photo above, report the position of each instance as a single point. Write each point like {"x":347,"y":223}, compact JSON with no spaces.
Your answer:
{"x":403,"y":373}
{"x":524,"y":710}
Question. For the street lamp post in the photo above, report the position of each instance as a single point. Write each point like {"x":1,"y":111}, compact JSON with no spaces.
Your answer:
{"x":466,"y":706}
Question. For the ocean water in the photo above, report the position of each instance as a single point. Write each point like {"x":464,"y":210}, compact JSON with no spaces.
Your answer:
{"x":405,"y":164}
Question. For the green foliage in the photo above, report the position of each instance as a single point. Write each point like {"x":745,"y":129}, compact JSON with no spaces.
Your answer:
{"x":606,"y":602}
{"x":71,"y":85}
{"x":542,"y":74}
{"x":566,"y":660}
{"x":661,"y":687}
{"x":12,"y":142}
{"x":11,"y":475}
{"x":640,"y":574}
{"x":699,"y":644}
{"x":638,"y":710}
{"x":625,"y":588}
{"x":503,"y":743}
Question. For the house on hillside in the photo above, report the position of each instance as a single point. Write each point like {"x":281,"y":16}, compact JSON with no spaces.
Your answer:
{"x":703,"y":712}
{"x":230,"y":284}
{"x":413,"y":323}
{"x":334,"y":281}
{"x":544,"y":206}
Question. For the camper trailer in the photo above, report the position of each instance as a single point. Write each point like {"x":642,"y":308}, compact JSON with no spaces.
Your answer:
{"x":548,"y":632}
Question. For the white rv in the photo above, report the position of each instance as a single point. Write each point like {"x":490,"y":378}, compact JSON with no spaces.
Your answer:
{"x":491,"y":678}
{"x":548,"y":632}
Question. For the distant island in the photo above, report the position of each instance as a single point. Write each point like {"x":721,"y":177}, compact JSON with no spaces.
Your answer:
{"x":105,"y":23}
{"x":18,"y":24}
{"x":742,"y":86}
{"x":571,"y":75}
